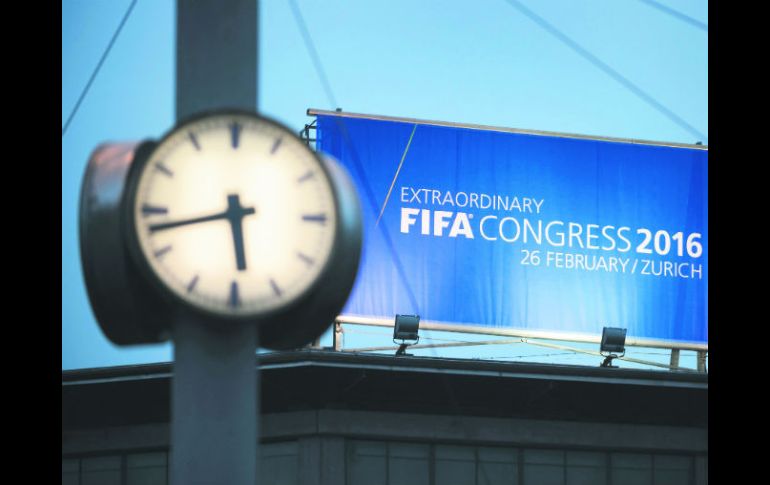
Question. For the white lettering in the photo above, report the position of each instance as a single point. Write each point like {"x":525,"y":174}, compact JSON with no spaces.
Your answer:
{"x":406,"y":218}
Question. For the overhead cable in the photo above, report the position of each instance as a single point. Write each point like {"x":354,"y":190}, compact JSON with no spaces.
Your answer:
{"x":608,"y":70}
{"x":677,"y":14}
{"x":313,"y":54}
{"x":98,"y":67}
{"x":371,"y":198}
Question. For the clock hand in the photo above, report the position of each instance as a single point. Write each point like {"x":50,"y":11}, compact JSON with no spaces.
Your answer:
{"x":195,"y":220}
{"x":234,"y":214}
{"x":170,"y":225}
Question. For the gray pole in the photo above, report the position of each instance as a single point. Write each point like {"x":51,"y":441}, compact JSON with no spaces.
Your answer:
{"x":214,"y":405}
{"x":701,"y":361}
{"x":215,"y":388}
{"x":216,"y":55}
{"x":674,"y":359}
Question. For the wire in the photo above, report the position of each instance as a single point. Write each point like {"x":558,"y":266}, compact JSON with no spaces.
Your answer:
{"x":98,"y":67}
{"x":454,"y":403}
{"x":607,"y":69}
{"x":354,"y":154}
{"x":395,"y":177}
{"x":349,"y":331}
{"x":372,"y":200}
{"x":571,"y":354}
{"x":677,"y":14}
{"x":313,"y":54}
{"x":648,"y":353}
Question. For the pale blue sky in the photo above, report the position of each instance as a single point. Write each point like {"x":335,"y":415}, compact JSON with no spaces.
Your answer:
{"x":482,"y":62}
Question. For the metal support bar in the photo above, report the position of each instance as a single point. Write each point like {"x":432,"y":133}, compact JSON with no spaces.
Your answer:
{"x":702,"y":361}
{"x":589,"y":352}
{"x":512,"y":332}
{"x":507,"y":341}
{"x":412,"y":121}
{"x":674,"y":358}
{"x":672,"y":366}
{"x":428,"y":346}
{"x":338,"y":337}
{"x":304,"y":133}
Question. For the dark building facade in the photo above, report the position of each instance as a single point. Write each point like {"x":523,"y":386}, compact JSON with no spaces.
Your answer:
{"x":343,"y":418}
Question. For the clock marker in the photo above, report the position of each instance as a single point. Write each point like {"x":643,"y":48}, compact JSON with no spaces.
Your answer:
{"x":235,"y":134}
{"x":276,"y":145}
{"x":276,"y":290}
{"x":160,"y":252}
{"x":162,"y":168}
{"x":194,"y":140}
{"x":234,"y":300}
{"x":307,"y":176}
{"x":320,"y":218}
{"x":307,"y":259}
{"x":148,"y":210}
{"x":191,"y":285}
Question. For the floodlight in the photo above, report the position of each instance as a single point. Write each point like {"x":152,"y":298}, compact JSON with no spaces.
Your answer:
{"x":406,"y":328}
{"x":613,"y":340}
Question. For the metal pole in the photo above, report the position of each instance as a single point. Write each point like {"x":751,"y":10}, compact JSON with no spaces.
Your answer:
{"x":522,"y":333}
{"x":701,"y":361}
{"x":216,"y":55}
{"x":214,"y":405}
{"x":674,"y":358}
{"x":215,"y":388}
{"x":337,"y":337}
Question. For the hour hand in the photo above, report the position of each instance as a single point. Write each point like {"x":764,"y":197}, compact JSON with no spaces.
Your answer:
{"x":235,"y":214}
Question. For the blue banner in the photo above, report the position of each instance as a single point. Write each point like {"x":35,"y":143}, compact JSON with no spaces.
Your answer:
{"x":492,"y":228}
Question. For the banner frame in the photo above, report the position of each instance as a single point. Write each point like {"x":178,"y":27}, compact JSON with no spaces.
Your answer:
{"x":342,"y":114}
{"x":505,"y":331}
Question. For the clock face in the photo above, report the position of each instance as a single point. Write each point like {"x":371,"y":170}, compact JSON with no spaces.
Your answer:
{"x":234,"y":215}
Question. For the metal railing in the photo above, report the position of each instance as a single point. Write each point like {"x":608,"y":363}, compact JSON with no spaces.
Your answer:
{"x":531,"y":337}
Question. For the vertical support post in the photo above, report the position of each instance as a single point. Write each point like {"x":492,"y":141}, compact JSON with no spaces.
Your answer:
{"x":338,"y":336}
{"x":216,"y":55}
{"x":674,"y":358}
{"x":214,"y":404}
{"x":215,"y":387}
{"x":701,"y":361}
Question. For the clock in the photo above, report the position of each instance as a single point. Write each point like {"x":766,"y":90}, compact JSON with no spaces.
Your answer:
{"x":232,"y":219}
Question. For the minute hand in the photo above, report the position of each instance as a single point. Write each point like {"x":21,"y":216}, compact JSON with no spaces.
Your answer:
{"x":170,"y":225}
{"x":234,"y":212}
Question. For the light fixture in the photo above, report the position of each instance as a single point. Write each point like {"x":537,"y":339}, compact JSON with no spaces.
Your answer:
{"x":406,"y":328}
{"x":613,"y":340}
